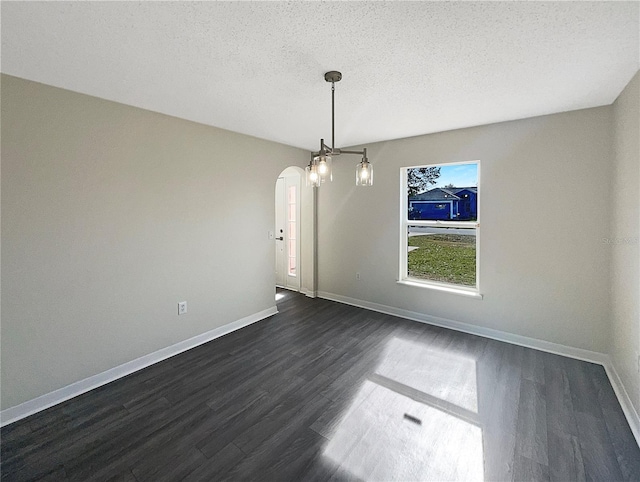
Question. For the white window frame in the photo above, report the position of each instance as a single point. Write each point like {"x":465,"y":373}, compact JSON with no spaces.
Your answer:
{"x":405,"y":222}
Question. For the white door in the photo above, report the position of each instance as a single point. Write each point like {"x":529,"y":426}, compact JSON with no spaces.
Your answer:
{"x":287,"y":235}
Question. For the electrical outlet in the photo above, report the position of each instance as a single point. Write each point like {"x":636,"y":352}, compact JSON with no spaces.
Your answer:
{"x":182,"y":307}
{"x":357,"y":276}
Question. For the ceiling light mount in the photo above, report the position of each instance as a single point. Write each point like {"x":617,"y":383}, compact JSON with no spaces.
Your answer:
{"x":319,"y":168}
{"x":333,"y":76}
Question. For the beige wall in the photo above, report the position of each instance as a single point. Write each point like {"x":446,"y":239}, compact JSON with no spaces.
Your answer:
{"x":624,"y":236}
{"x":110,"y":216}
{"x":545,"y":208}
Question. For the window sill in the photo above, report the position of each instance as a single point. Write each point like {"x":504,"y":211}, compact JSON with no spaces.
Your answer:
{"x":470,"y":292}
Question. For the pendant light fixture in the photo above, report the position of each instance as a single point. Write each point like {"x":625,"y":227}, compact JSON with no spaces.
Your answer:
{"x":319,"y":168}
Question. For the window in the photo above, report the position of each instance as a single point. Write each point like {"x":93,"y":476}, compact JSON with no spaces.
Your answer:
{"x":439,"y":226}
{"x":292,"y":229}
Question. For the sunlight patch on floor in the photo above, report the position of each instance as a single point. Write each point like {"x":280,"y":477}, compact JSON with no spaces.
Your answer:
{"x":414,"y":418}
{"x":376,"y":441}
{"x":441,"y":374}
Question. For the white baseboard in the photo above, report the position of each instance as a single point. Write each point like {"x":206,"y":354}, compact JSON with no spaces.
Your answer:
{"x":623,"y":397}
{"x":50,"y":399}
{"x":308,"y":293}
{"x":586,"y":355}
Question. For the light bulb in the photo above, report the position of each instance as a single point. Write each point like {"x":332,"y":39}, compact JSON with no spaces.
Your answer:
{"x":322,"y":167}
{"x":313,"y":179}
{"x":364,"y":173}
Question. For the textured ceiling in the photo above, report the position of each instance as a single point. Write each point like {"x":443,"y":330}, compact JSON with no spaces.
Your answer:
{"x":408,"y":68}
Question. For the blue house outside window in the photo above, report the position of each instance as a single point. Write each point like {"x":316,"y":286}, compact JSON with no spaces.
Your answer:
{"x":440,"y":204}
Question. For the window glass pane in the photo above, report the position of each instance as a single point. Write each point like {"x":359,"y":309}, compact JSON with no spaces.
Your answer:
{"x":292,"y":248}
{"x":446,"y":255}
{"x":292,"y":212}
{"x":443,"y":192}
{"x":292,"y":194}
{"x":292,"y":230}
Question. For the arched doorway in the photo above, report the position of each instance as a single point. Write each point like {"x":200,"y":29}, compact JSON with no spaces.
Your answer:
{"x":294,"y":233}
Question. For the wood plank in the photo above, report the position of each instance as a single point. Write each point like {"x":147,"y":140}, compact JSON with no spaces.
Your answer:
{"x":598,"y":454}
{"x":531,"y":438}
{"x":560,"y":411}
{"x":565,"y":457}
{"x":527,"y":470}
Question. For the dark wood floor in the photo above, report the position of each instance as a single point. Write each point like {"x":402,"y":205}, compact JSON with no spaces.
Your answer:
{"x":327,"y":391}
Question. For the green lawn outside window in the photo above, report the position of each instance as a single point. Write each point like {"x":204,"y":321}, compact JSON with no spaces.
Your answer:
{"x":448,"y":258}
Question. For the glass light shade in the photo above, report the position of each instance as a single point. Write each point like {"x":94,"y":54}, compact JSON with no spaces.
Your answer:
{"x":312,"y":176}
{"x":324,"y":168}
{"x":364,"y":173}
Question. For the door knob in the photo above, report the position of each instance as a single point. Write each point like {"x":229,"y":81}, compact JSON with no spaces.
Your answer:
{"x":280,"y":238}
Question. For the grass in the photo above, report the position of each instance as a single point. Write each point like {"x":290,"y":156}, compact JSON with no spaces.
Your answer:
{"x":449,"y":258}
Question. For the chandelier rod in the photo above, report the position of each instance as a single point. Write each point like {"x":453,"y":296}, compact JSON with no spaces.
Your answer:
{"x":333,"y":77}
{"x":333,"y":115}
